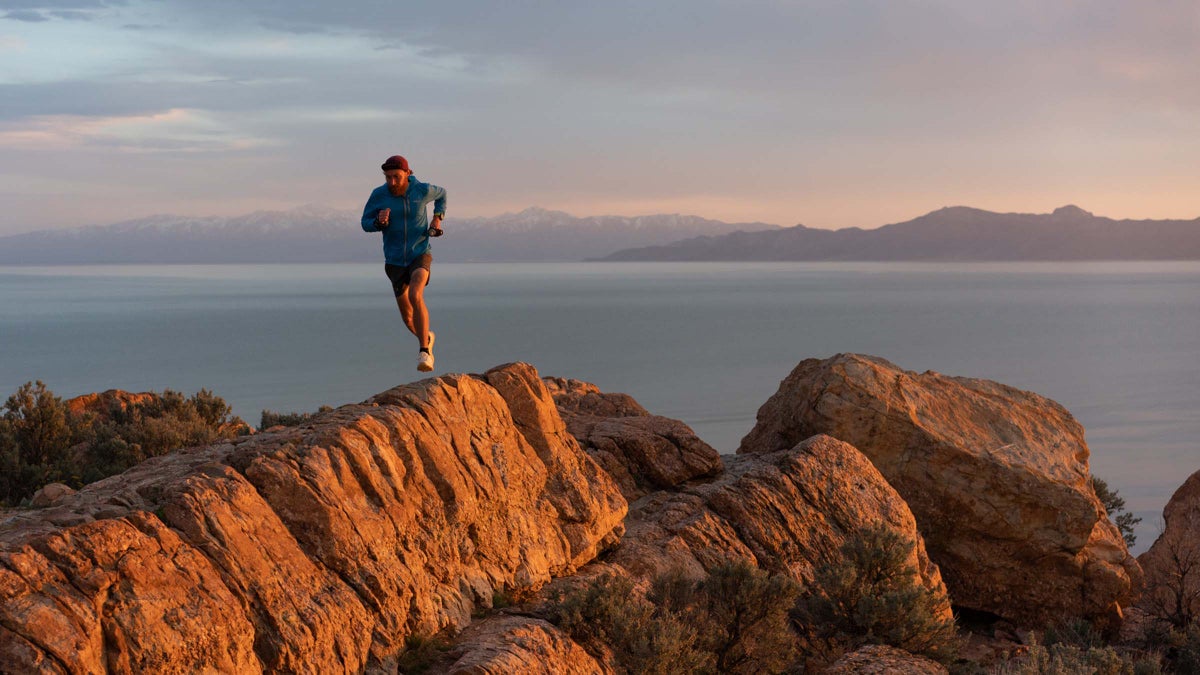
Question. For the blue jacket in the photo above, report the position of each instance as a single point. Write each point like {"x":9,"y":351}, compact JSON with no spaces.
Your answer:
{"x":407,"y":236}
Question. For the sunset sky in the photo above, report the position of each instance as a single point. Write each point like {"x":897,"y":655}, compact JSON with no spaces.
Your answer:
{"x":831,"y":114}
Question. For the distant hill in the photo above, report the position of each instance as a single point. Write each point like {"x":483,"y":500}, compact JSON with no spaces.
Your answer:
{"x":955,"y":233}
{"x":320,"y":234}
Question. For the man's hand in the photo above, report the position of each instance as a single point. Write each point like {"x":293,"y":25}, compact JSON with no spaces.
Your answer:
{"x":435,"y":228}
{"x":383,"y":218}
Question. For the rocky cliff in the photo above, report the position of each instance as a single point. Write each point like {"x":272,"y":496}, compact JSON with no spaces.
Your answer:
{"x":997,"y":479}
{"x":316,"y":549}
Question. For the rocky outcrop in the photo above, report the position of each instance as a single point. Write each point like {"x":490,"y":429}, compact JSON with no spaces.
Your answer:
{"x":103,"y":403}
{"x":787,"y":511}
{"x":996,"y":477}
{"x":314,"y":549}
{"x":514,"y":644}
{"x":49,"y":494}
{"x":642,"y":452}
{"x":1172,"y":564}
{"x":884,"y":660}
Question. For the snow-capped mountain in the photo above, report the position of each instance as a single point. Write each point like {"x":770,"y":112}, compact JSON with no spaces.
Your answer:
{"x":315,"y":233}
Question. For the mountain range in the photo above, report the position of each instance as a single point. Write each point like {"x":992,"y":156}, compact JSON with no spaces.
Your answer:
{"x":953,"y":233}
{"x":321,"y":234}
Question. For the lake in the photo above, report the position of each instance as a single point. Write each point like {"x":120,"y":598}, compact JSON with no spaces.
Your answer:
{"x":1117,"y":343}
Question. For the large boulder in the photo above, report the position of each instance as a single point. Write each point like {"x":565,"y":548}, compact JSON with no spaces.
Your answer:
{"x":315,"y":549}
{"x":997,"y":479}
{"x":1172,"y":564}
{"x":884,"y":660}
{"x":642,"y":452}
{"x":517,"y":644}
{"x":788,"y":511}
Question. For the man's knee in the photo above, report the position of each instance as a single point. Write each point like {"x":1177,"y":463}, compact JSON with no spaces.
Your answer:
{"x":416,"y":290}
{"x":416,"y":295}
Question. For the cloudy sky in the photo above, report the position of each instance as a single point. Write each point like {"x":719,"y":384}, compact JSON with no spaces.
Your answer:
{"x":831,"y":114}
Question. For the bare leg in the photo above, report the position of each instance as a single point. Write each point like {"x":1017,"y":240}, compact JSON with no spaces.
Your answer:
{"x":406,"y":310}
{"x":420,"y":314}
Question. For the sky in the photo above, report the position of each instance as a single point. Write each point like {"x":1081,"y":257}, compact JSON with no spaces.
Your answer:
{"x":830,"y":114}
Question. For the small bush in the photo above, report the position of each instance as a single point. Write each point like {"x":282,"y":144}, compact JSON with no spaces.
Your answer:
{"x":1077,"y":633}
{"x":422,"y":653}
{"x":608,"y":612}
{"x":1068,"y":659}
{"x":741,"y":614}
{"x":1179,"y":647}
{"x":1114,"y":505}
{"x":873,"y":596}
{"x":271,"y":418}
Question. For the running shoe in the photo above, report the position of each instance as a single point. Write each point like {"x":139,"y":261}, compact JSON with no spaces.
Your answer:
{"x":425,"y":362}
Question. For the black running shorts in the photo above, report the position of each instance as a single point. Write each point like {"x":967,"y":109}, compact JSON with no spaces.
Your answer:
{"x":400,"y":276}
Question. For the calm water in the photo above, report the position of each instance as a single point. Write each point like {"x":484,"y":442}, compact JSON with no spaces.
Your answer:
{"x":1117,"y":343}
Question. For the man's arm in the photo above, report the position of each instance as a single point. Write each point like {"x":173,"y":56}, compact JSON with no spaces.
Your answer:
{"x":374,"y":219}
{"x":438,"y":194}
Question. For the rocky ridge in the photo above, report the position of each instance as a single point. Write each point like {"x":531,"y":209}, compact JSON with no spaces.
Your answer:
{"x":316,"y":549}
{"x":322,"y":548}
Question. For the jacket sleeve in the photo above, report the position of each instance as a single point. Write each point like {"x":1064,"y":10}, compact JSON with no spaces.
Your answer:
{"x":439,"y":195}
{"x":369,"y":212}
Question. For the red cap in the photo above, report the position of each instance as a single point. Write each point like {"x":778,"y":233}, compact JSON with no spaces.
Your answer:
{"x":395,"y":162}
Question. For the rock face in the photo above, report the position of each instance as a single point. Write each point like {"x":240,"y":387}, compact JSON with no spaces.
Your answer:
{"x":514,"y":644}
{"x":315,"y":549}
{"x":642,"y":452}
{"x":996,"y":477}
{"x":786,"y":511}
{"x":1172,"y":565}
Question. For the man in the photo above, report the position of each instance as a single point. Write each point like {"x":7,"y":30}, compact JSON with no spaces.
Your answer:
{"x":397,"y":208}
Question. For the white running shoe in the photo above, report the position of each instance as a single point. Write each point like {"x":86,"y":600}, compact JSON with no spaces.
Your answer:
{"x":425,"y":362}
{"x":432,"y":337}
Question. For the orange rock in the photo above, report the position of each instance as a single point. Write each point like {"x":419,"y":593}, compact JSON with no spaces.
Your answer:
{"x":884,"y":660}
{"x":997,"y":478}
{"x":786,"y":511}
{"x":318,"y":548}
{"x":101,"y":403}
{"x":517,"y":644}
{"x":1172,"y":564}
{"x":642,"y":452}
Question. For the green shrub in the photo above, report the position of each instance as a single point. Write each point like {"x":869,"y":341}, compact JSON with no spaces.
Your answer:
{"x":423,"y":653}
{"x":1068,"y":659}
{"x":1115,"y":504}
{"x":271,"y":418}
{"x":1075,"y":633}
{"x":41,"y":441}
{"x":608,"y":612}
{"x":740,"y":612}
{"x":873,"y":596}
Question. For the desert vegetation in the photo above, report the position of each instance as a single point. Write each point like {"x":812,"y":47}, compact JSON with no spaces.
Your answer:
{"x":1114,"y":506}
{"x":42,"y":441}
{"x":741,"y":619}
{"x":271,"y":418}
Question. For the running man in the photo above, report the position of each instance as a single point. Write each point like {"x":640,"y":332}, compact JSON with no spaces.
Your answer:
{"x":397,"y":208}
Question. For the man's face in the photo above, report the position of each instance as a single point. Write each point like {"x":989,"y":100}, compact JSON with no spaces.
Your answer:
{"x":397,"y":181}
